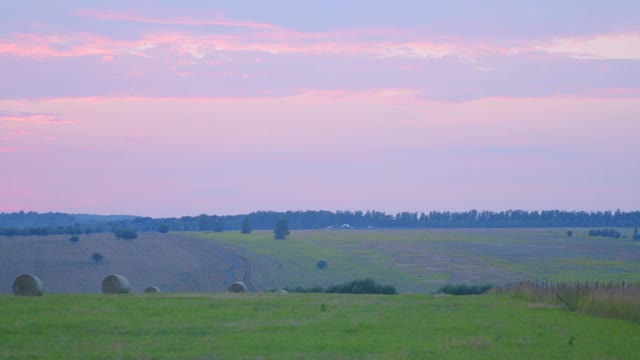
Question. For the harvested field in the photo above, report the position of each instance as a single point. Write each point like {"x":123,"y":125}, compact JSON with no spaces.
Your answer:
{"x":173,"y":262}
{"x":417,"y":261}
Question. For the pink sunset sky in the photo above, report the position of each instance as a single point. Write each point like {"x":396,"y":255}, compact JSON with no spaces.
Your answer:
{"x":158,"y":109}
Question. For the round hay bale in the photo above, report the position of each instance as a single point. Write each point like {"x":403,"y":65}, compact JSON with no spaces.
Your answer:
{"x":238,"y":287}
{"x":115,"y":284}
{"x":281,"y":292}
{"x":27,"y":285}
{"x":152,"y":289}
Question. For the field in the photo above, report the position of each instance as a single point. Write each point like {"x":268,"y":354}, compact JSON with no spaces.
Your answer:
{"x":420,"y":261}
{"x":414,"y":261}
{"x":194,"y":318}
{"x":172,"y":262}
{"x":301,"y":326}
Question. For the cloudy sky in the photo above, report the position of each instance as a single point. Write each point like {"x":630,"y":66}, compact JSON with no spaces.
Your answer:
{"x":225,"y":107}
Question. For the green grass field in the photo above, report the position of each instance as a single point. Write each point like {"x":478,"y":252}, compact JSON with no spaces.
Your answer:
{"x":304,"y":326}
{"x":420,"y":261}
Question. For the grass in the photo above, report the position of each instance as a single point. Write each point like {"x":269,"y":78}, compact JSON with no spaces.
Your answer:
{"x":423,"y":260}
{"x":611,"y":300}
{"x":301,"y":326}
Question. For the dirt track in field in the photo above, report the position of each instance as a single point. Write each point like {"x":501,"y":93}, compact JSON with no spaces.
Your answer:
{"x":173,"y":262}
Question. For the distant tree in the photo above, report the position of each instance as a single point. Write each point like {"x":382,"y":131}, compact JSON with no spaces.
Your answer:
{"x":281,"y":229}
{"x":87,"y":231}
{"x":218,"y":226}
{"x":74,"y":239}
{"x":204,"y":223}
{"x":97,"y":257}
{"x":125,"y":234}
{"x":569,"y":233}
{"x":636,"y":235}
{"x":246,"y":226}
{"x":608,"y":233}
{"x":163,"y":228}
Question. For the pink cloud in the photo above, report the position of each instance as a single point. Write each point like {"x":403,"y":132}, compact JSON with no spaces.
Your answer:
{"x":33,"y":118}
{"x":21,"y":132}
{"x":621,"y":46}
{"x":273,"y":39}
{"x":10,"y":149}
{"x":262,"y":38}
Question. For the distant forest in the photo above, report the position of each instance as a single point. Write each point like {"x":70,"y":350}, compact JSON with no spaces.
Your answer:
{"x":75,"y":223}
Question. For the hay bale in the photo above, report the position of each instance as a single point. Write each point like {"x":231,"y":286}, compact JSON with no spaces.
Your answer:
{"x":152,"y":289}
{"x":115,"y":284}
{"x":238,"y":287}
{"x":27,"y":285}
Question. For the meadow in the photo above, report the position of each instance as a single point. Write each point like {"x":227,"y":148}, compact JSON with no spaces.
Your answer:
{"x":196,"y":319}
{"x":421,"y":261}
{"x":304,"y":326}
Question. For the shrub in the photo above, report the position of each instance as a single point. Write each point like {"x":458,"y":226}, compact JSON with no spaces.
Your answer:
{"x":246,"y":226}
{"x":218,"y":226}
{"x":463,"y":289}
{"x":163,"y":228}
{"x":569,"y":233}
{"x":363,"y":286}
{"x":322,"y":264}
{"x":608,"y":233}
{"x":311,"y":290}
{"x":74,"y":239}
{"x":126,"y":234}
{"x":97,"y":257}
{"x":281,"y":229}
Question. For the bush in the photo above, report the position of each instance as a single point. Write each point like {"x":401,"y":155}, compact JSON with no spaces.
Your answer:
{"x":365,"y":286}
{"x":569,"y":233}
{"x":163,"y":228}
{"x":608,"y":233}
{"x":463,"y":289}
{"x":97,"y":257}
{"x":299,"y":289}
{"x":126,"y":234}
{"x":219,"y":225}
{"x":281,"y":229}
{"x":74,"y":239}
{"x":246,"y":226}
{"x":322,"y":264}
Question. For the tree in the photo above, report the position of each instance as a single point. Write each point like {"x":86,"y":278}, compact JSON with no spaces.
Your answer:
{"x":569,"y":233}
{"x":636,"y":236}
{"x":97,"y":257}
{"x":203,"y":222}
{"x":281,"y":229}
{"x":219,"y":225}
{"x":126,"y":234}
{"x":163,"y":228}
{"x":87,"y":231}
{"x":246,"y":226}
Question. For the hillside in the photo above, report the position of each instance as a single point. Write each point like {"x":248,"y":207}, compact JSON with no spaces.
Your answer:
{"x":414,"y":261}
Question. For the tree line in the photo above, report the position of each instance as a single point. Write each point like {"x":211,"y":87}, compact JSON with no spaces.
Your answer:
{"x":265,"y":220}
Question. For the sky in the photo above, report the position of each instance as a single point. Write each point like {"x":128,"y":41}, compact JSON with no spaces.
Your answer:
{"x":165,"y":108}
